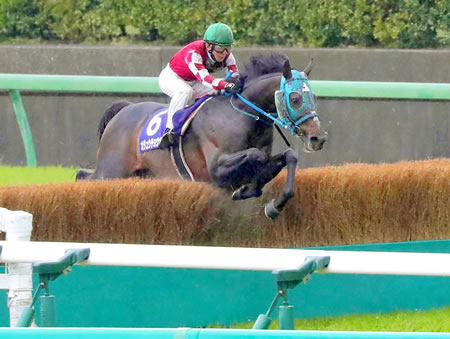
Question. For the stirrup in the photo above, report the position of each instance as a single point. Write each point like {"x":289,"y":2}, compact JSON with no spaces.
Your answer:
{"x":168,"y":139}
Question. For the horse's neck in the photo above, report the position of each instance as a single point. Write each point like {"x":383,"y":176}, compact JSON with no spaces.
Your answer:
{"x":261,"y":91}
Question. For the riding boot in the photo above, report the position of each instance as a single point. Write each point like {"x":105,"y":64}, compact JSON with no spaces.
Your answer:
{"x":168,"y":139}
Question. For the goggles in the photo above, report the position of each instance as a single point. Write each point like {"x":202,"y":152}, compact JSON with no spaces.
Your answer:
{"x":221,"y":49}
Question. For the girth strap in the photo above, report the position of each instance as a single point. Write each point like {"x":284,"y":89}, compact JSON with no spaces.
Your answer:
{"x":178,"y":160}
{"x":176,"y":151}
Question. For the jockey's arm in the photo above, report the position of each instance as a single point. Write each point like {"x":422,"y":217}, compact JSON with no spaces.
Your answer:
{"x":195,"y":64}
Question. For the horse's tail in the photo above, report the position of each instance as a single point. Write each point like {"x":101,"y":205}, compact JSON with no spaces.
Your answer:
{"x":109,"y":114}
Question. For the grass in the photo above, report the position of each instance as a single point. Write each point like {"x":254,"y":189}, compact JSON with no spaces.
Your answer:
{"x":12,"y":175}
{"x":437,"y":320}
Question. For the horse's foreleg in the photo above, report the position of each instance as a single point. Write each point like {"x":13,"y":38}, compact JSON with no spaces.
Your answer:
{"x":233,"y":170}
{"x":230,"y":169}
{"x":262,"y":176}
{"x":288,"y":158}
{"x":274,"y":207}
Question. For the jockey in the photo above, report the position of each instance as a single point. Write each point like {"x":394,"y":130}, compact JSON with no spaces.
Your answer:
{"x":188,"y":75}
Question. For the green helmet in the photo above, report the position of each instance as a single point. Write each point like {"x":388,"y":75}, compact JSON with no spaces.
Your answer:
{"x":219,"y":34}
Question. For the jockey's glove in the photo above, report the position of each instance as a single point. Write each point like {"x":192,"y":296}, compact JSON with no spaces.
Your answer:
{"x":232,"y":88}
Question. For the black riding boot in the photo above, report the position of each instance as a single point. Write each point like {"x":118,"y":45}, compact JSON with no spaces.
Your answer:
{"x":167,"y":139}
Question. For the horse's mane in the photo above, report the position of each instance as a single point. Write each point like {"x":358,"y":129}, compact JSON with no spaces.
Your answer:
{"x":264,"y":64}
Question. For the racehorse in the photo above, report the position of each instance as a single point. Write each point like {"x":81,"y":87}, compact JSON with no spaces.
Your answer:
{"x":229,"y":141}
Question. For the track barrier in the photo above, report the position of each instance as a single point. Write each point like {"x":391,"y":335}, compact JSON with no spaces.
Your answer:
{"x":230,"y":258}
{"x":14,"y":83}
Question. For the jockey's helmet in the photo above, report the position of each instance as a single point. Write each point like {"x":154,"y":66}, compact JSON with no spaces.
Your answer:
{"x":219,"y":34}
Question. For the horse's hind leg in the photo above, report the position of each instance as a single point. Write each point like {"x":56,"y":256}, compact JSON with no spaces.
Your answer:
{"x":83,"y":174}
{"x":113,"y":167}
{"x":110,"y":166}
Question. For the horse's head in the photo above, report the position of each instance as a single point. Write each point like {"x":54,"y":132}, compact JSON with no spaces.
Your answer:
{"x":289,"y":93}
{"x":296,"y":107}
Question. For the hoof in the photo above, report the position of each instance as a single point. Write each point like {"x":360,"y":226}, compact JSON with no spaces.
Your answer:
{"x":82,"y":174}
{"x":240,"y":193}
{"x":246,"y":192}
{"x":236,"y":195}
{"x":270,"y":210}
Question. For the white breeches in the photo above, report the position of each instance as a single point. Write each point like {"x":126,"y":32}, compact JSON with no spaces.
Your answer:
{"x":180,"y":91}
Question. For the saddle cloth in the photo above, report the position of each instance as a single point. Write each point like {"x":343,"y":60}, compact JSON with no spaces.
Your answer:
{"x":151,"y":134}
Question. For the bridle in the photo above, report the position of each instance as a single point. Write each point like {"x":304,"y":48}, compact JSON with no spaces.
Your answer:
{"x":298,"y":83}
{"x":286,"y":116}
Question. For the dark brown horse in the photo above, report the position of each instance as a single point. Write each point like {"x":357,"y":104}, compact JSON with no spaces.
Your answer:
{"x":229,"y":142}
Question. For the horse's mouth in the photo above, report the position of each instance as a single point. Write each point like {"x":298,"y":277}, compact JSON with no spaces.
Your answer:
{"x":314,"y":143}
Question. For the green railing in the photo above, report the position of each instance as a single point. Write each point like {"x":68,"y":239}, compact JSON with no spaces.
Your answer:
{"x":14,"y":83}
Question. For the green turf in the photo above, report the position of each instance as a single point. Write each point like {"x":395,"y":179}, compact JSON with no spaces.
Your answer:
{"x":419,"y":321}
{"x":11,"y":175}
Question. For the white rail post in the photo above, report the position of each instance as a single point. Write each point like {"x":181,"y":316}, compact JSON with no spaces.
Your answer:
{"x":18,"y":278}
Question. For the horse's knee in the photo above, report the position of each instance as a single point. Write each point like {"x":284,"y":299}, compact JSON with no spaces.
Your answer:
{"x":291,"y":156}
{"x":256,"y":155}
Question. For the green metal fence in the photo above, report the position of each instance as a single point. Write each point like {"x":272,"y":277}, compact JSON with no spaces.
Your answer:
{"x":14,"y":83}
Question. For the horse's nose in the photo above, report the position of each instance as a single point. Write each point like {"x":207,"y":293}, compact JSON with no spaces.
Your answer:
{"x":318,"y":141}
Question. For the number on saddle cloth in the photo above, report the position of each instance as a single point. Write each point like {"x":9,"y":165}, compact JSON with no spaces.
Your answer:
{"x":152,"y":133}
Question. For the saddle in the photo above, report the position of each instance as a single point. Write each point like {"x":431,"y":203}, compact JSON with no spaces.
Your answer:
{"x":151,"y":135}
{"x":185,"y":115}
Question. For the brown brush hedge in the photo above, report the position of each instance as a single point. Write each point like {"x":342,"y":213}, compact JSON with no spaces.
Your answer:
{"x":349,"y":204}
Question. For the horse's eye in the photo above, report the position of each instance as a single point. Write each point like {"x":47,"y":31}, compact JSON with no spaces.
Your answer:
{"x":295,"y":100}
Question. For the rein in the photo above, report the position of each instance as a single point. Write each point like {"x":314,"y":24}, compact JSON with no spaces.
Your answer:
{"x":252,"y":105}
{"x":283,"y":123}
{"x":268,"y":115}
{"x":256,"y":108}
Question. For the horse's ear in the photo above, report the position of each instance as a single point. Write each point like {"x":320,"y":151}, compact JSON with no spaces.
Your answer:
{"x":308,"y":67}
{"x":287,"y":70}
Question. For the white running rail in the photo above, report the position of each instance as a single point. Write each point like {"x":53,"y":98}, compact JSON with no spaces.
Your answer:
{"x":232,"y":258}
